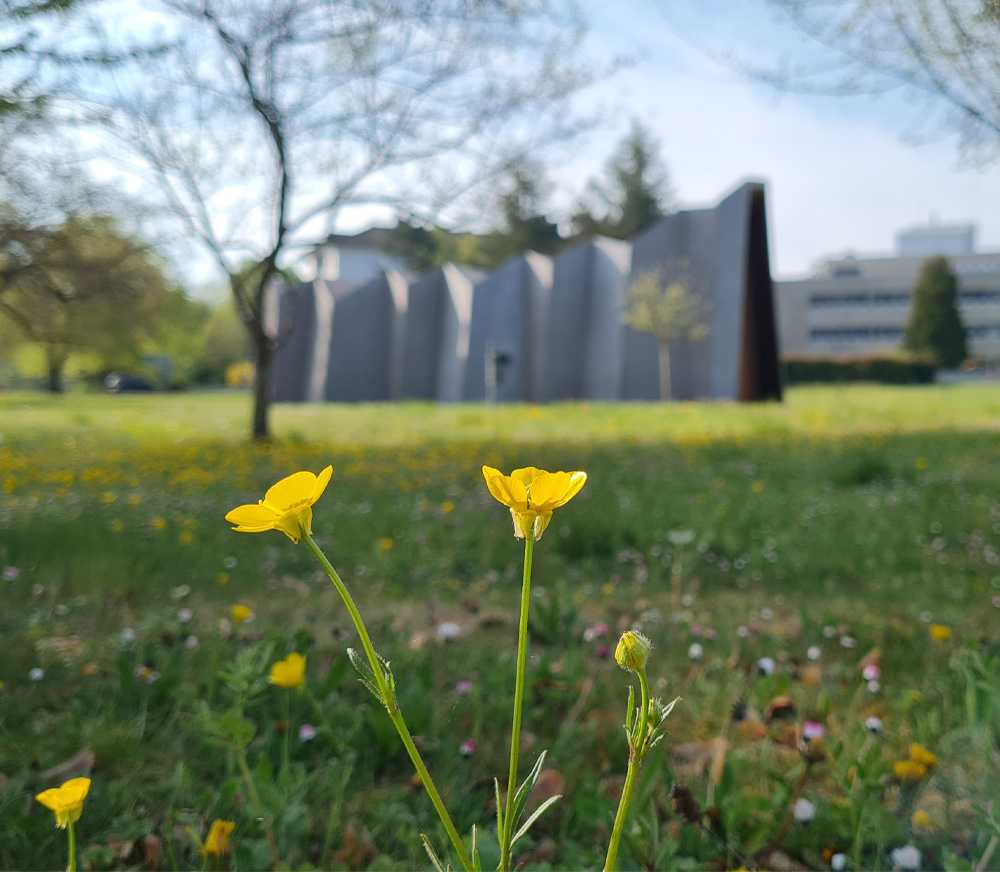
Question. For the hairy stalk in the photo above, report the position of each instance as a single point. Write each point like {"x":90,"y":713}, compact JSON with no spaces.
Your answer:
{"x":636,"y":753}
{"x":389,"y":699}
{"x":515,"y":737}
{"x":71,"y":866}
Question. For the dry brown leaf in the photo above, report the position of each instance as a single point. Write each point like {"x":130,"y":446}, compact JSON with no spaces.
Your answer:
{"x":71,"y":768}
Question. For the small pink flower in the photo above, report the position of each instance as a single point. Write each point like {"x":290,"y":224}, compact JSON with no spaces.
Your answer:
{"x":463,"y":687}
{"x":11,"y":573}
{"x":468,"y":748}
{"x":871,"y":672}
{"x":813,"y":730}
{"x":604,"y":652}
{"x":307,"y":732}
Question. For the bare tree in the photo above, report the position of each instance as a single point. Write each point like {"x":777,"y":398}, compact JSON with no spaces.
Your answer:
{"x":257,"y":120}
{"x":663,"y":303}
{"x":946,"y":50}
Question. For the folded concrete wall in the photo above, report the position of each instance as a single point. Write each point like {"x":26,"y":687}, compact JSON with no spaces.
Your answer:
{"x":554,"y":326}
{"x":508,"y":313}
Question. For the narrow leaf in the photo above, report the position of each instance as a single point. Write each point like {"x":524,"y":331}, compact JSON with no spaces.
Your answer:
{"x":535,"y":815}
{"x":477,"y":866}
{"x":496,"y":787}
{"x":521,"y":797}
{"x":630,"y":711}
{"x":434,"y":857}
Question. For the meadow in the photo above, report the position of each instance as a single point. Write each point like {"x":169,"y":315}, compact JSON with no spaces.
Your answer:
{"x":834,"y":604}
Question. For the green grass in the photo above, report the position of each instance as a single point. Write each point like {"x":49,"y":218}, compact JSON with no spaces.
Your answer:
{"x":851,"y":511}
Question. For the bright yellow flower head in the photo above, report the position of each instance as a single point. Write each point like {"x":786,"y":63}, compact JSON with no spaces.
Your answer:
{"x":532,"y":494}
{"x":240,"y":613}
{"x":217,"y":841}
{"x":290,"y":672}
{"x":939,"y":632}
{"x":919,"y":754}
{"x":66,"y":801}
{"x":909,"y":771}
{"x":287,"y":506}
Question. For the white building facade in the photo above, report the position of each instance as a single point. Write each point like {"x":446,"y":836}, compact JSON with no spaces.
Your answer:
{"x":861,"y":305}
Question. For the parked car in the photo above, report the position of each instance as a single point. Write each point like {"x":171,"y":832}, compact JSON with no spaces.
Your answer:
{"x":123,"y":382}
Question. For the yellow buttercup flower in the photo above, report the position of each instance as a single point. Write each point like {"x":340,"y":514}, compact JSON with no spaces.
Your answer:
{"x":66,"y":800}
{"x":919,"y":754}
{"x":532,"y":494}
{"x":909,"y":771}
{"x":287,"y":506}
{"x":290,"y":672}
{"x":240,"y":613}
{"x":632,"y":651}
{"x":217,"y":841}
{"x":939,"y":632}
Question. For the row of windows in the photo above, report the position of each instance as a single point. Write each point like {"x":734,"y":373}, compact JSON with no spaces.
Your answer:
{"x":859,"y":334}
{"x":841,"y":334}
{"x":829,"y":301}
{"x":960,"y":268}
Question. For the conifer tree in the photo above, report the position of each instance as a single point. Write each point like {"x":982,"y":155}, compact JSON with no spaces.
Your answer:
{"x":935,"y":325}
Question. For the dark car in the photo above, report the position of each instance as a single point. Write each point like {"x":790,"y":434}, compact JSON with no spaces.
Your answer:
{"x":119,"y":383}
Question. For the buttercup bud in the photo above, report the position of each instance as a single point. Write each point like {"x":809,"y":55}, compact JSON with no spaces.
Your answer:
{"x":633,"y":651}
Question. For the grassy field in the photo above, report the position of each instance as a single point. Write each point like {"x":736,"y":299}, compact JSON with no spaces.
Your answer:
{"x":831,"y":533}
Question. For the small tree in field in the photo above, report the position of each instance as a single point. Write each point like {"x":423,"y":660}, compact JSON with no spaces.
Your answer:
{"x":935,"y":325}
{"x":663,"y":304}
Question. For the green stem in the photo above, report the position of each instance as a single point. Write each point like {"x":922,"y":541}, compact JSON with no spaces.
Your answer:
{"x":389,"y":699}
{"x":288,"y":729}
{"x":637,"y":751}
{"x":515,"y":736}
{"x":72,"y":848}
{"x":241,"y":758}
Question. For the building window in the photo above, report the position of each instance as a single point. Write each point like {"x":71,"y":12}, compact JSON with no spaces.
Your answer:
{"x":856,"y":334}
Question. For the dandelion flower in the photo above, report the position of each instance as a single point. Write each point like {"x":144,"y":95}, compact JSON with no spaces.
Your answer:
{"x":919,"y":754}
{"x":66,"y":800}
{"x":532,"y":494}
{"x":287,"y":506}
{"x":240,"y":613}
{"x":939,"y":632}
{"x":217,"y":841}
{"x":289,"y":673}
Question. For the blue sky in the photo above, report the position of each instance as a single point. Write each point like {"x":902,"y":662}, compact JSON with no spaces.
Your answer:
{"x":840,"y":173}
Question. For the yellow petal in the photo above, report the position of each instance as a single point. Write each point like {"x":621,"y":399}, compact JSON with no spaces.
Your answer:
{"x":554,"y":489}
{"x":322,"y":480}
{"x":509,"y":491}
{"x":77,"y":789}
{"x":253,"y":516}
{"x":527,"y":475}
{"x":296,"y":489}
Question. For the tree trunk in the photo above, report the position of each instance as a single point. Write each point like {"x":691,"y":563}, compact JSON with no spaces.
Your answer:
{"x":664,"y":372}
{"x":54,"y":383}
{"x":263,"y":358}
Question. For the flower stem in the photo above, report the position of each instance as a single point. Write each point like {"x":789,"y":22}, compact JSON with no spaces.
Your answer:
{"x":288,"y":729}
{"x":637,"y":750}
{"x":515,"y":737}
{"x":241,"y":758}
{"x":71,"y":867}
{"x":389,"y":699}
